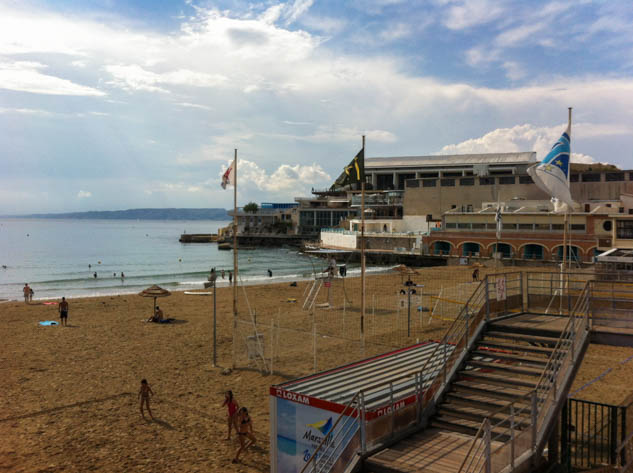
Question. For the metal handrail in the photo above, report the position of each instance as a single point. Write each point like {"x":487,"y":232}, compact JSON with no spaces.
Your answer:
{"x":329,"y":434}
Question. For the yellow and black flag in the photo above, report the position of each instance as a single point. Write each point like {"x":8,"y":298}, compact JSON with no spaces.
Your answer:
{"x":353,"y":173}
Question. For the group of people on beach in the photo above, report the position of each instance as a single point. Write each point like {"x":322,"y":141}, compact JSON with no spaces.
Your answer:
{"x":28,"y":293}
{"x":213,"y":275}
{"x":237,"y":418}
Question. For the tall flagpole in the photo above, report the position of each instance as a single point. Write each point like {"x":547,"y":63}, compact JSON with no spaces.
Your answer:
{"x":362,"y":254}
{"x":568,"y":173}
{"x":234,"y":257}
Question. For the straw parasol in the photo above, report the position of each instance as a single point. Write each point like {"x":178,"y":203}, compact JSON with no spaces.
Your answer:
{"x":154,"y":291}
{"x":405,"y":270}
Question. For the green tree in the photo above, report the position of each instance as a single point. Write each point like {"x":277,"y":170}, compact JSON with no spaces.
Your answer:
{"x":251,"y":207}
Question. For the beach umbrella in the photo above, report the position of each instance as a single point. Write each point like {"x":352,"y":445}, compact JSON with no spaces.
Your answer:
{"x":154,"y":291}
{"x":403,"y":269}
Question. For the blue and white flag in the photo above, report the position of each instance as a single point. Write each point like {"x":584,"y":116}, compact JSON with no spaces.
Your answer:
{"x":552,"y":174}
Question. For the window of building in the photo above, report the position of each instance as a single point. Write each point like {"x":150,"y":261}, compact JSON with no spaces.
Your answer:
{"x":467,"y":181}
{"x":557,"y":226}
{"x":486,"y":181}
{"x":614,"y":176}
{"x":631,"y":176}
{"x":323,"y":219}
{"x":526,"y":226}
{"x":306,"y":219}
{"x":624,"y":229}
{"x":479,"y":226}
{"x":499,"y":172}
{"x":509,"y":226}
{"x":423,"y":175}
{"x":429,"y":183}
{"x":451,"y":225}
{"x":402,"y":178}
{"x":451,"y":174}
{"x":543,"y":227}
{"x":573,"y":178}
{"x":491,"y":226}
{"x":578,"y":227}
{"x":506,"y":180}
{"x":413,"y":183}
{"x":463,"y":226}
{"x":384,"y":181}
{"x":525,"y":180}
{"x":591,"y":177}
{"x":606,"y":225}
{"x":453,"y":206}
{"x":621,"y":210}
{"x":447,"y":182}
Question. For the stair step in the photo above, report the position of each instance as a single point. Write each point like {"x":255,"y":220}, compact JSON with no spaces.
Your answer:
{"x":462,"y":386}
{"x":493,"y":367}
{"x":463,"y":400}
{"x":494,"y":380}
{"x":535,"y":339}
{"x":515,"y":348}
{"x":510,"y":357}
{"x":468,"y":429}
{"x":478,"y":415}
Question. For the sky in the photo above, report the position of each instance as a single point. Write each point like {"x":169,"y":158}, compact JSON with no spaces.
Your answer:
{"x":116,"y":104}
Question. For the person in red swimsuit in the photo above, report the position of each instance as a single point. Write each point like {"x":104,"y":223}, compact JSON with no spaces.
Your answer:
{"x":232,"y":407}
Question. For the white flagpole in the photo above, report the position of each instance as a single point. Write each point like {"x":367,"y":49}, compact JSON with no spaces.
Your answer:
{"x":362,"y":255}
{"x":571,"y":254}
{"x":234,"y":257}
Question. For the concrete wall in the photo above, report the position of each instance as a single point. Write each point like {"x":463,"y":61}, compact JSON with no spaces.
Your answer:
{"x":338,"y":240}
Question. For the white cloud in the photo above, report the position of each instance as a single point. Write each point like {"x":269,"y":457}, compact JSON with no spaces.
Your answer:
{"x":134,"y":77}
{"x":84,"y":194}
{"x":193,"y":105}
{"x":514,"y":70}
{"x":25,"y":76}
{"x":27,"y":111}
{"x":468,"y":13}
{"x":298,"y":8}
{"x":288,"y":180}
{"x":532,"y":138}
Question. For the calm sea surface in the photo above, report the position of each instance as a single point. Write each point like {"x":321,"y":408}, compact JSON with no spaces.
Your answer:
{"x":53,"y":257}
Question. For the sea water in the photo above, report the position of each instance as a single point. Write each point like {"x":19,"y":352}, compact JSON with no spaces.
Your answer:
{"x":58,"y":257}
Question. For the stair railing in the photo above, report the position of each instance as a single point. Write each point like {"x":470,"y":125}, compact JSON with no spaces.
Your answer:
{"x":563,"y":356}
{"x":625,"y":450}
{"x":335,"y":441}
{"x":493,"y":428}
{"x":457,"y":335}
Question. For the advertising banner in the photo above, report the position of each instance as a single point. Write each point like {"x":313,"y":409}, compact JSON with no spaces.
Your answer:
{"x":300,"y":430}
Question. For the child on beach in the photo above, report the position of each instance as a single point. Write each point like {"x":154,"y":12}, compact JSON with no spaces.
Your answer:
{"x":144,"y":395}
{"x":244,"y":432}
{"x":232,"y":407}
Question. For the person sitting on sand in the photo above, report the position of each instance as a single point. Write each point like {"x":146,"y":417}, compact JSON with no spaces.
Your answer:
{"x":244,"y":432}
{"x":158,"y":315}
{"x":232,"y":408}
{"x":144,"y":395}
{"x":63,"y":312}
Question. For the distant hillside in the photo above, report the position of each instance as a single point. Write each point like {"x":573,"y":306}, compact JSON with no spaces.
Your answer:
{"x":141,"y":214}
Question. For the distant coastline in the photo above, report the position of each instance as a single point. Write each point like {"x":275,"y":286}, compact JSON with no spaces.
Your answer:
{"x":136,"y":214}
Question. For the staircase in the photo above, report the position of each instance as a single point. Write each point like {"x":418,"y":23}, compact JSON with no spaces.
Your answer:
{"x":495,"y":412}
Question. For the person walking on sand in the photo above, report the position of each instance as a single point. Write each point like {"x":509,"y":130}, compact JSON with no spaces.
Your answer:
{"x":230,"y":277}
{"x":222,"y":274}
{"x":144,"y":394}
{"x":63,"y":312}
{"x":27,"y":293}
{"x":232,"y":406}
{"x":244,"y":432}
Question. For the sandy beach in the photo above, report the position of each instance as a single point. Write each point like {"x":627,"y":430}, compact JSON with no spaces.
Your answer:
{"x":69,"y":395}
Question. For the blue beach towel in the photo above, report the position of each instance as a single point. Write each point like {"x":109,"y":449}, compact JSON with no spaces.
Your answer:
{"x":48,"y":323}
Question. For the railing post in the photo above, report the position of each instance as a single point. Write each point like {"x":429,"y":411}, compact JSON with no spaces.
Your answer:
{"x":444,"y":367}
{"x":613,"y":435}
{"x":521,"y":290}
{"x":363,"y":427}
{"x":487,"y":299}
{"x":573,"y":337}
{"x":467,"y":330}
{"x":512,"y":436}
{"x":391,"y":406}
{"x":487,"y":445}
{"x":534,"y":420}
